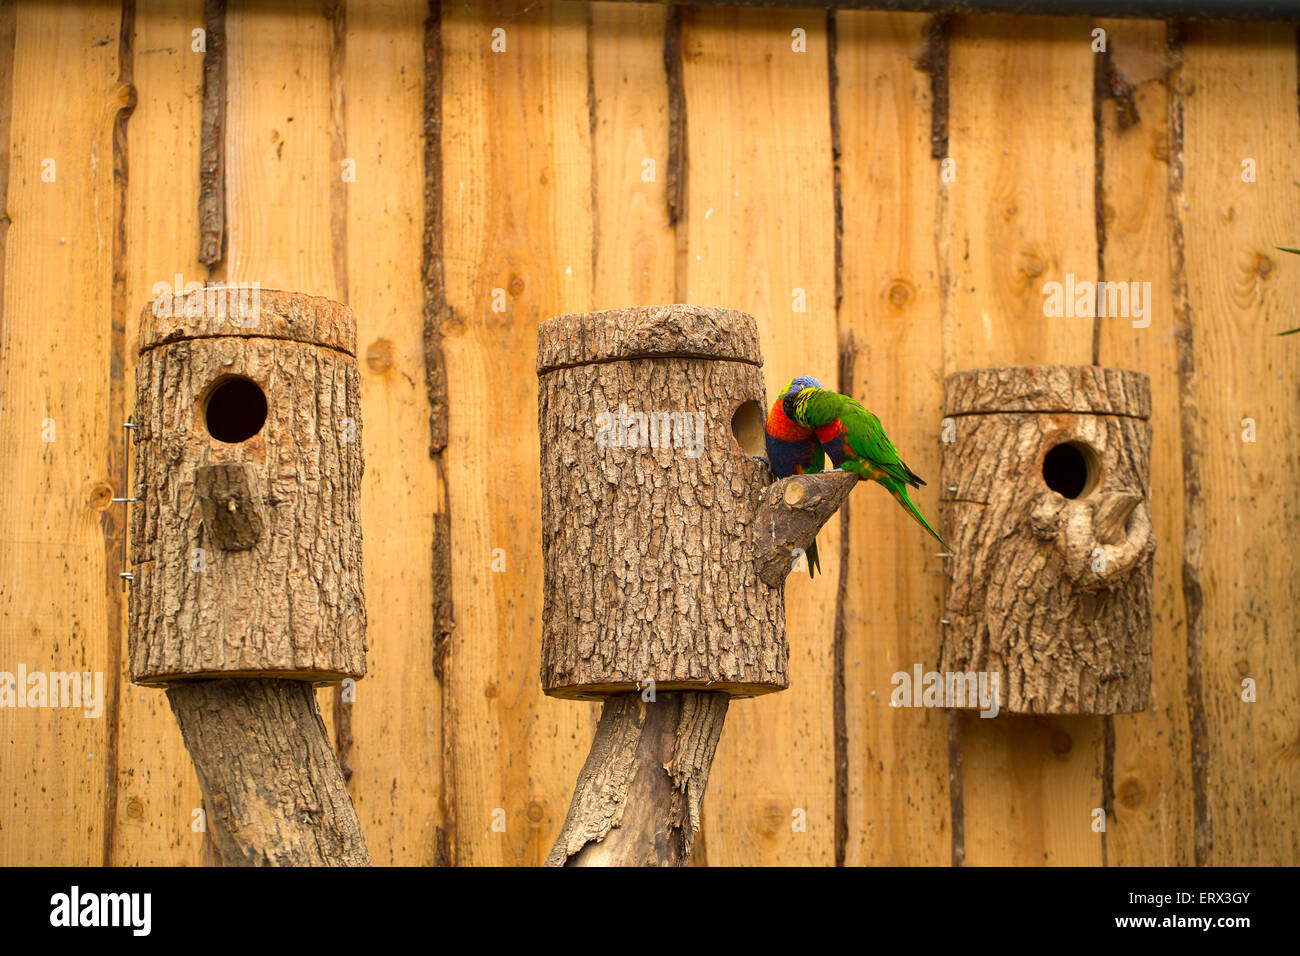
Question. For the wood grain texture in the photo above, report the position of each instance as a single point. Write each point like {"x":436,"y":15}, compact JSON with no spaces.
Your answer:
{"x":1152,"y":817}
{"x":1237,"y":94}
{"x":516,"y":218}
{"x":55,"y":382}
{"x":278,"y":122}
{"x":896,"y":789}
{"x":634,"y":240}
{"x":158,"y":798}
{"x":396,"y":716}
{"x":760,"y":205}
{"x":1020,"y":214}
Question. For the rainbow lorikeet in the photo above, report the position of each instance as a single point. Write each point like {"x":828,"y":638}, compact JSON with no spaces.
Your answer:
{"x":793,"y":449}
{"x":854,"y":439}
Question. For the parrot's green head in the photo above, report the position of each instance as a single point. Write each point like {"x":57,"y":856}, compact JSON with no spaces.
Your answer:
{"x":791,"y":392}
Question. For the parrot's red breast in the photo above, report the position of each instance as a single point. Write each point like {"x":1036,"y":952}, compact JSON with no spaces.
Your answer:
{"x":780,"y":425}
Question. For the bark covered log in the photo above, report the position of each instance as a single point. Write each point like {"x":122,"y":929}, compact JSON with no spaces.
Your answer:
{"x":274,"y":792}
{"x":274,"y":586}
{"x":640,"y":792}
{"x":793,"y":510}
{"x":648,"y":505}
{"x":1048,"y":588}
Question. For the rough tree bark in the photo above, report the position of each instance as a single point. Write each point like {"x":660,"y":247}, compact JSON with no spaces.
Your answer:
{"x":289,"y":604}
{"x":651,"y":425}
{"x":639,"y":794}
{"x":274,"y":793}
{"x":1051,"y":593}
{"x":648,"y":505}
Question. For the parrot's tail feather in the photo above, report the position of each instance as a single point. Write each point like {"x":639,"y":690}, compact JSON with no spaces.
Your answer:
{"x":900,"y":494}
{"x":814,"y":563}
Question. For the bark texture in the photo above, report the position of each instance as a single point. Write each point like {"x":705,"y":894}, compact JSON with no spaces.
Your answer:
{"x":639,"y":795}
{"x":212,"y":598}
{"x":1051,"y":593}
{"x":648,"y":505}
{"x":274,"y":792}
{"x":793,"y":510}
{"x":231,"y":515}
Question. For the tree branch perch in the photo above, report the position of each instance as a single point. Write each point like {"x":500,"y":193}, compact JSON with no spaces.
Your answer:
{"x":790,"y":514}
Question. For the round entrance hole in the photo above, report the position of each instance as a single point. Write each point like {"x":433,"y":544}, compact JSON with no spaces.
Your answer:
{"x":1072,"y":469}
{"x":235,"y":410}
{"x":747,"y":426}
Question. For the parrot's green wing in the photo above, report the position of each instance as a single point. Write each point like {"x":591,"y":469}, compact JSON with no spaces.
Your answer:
{"x":868,"y":440}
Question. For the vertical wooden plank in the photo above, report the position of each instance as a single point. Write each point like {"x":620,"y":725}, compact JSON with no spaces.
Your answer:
{"x":1237,"y":99}
{"x":395,"y":718}
{"x":55,"y":414}
{"x":1020,"y":213}
{"x":760,"y":211}
{"x":157,"y":792}
{"x":517,"y":220}
{"x":635,"y":250}
{"x":279,"y":177}
{"x":897,"y":794}
{"x":1150,"y":823}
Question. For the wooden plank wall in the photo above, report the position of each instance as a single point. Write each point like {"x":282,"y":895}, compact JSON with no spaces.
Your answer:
{"x":886,"y":192}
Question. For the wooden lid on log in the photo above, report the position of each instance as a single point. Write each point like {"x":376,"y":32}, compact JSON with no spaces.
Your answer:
{"x":1085,"y":389}
{"x":217,"y":311}
{"x":656,"y":331}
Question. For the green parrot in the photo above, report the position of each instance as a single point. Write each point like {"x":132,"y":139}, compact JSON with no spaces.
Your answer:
{"x":856,"y":441}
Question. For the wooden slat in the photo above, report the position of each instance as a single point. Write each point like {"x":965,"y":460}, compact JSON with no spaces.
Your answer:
{"x":279,"y":178}
{"x":157,"y":791}
{"x":55,"y":364}
{"x":760,"y":211}
{"x":517,"y":216}
{"x":897,"y":794}
{"x":1020,"y":214}
{"x":1238,"y":100}
{"x":1151,"y":821}
{"x":635,"y":248}
{"x":395,"y":719}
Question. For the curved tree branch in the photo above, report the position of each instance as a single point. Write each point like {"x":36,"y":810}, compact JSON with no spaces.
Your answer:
{"x":638,"y":798}
{"x":790,"y":514}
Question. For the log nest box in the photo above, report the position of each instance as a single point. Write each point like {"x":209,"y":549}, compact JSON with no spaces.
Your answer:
{"x":1046,"y":471}
{"x":651,"y":424}
{"x":246,"y":543}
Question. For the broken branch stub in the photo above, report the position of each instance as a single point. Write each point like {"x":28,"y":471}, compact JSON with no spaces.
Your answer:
{"x":790,"y":514}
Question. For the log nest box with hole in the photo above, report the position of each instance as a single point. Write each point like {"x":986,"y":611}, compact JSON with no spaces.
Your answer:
{"x":1046,"y":471}
{"x":652,"y":480}
{"x":246,"y":555}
